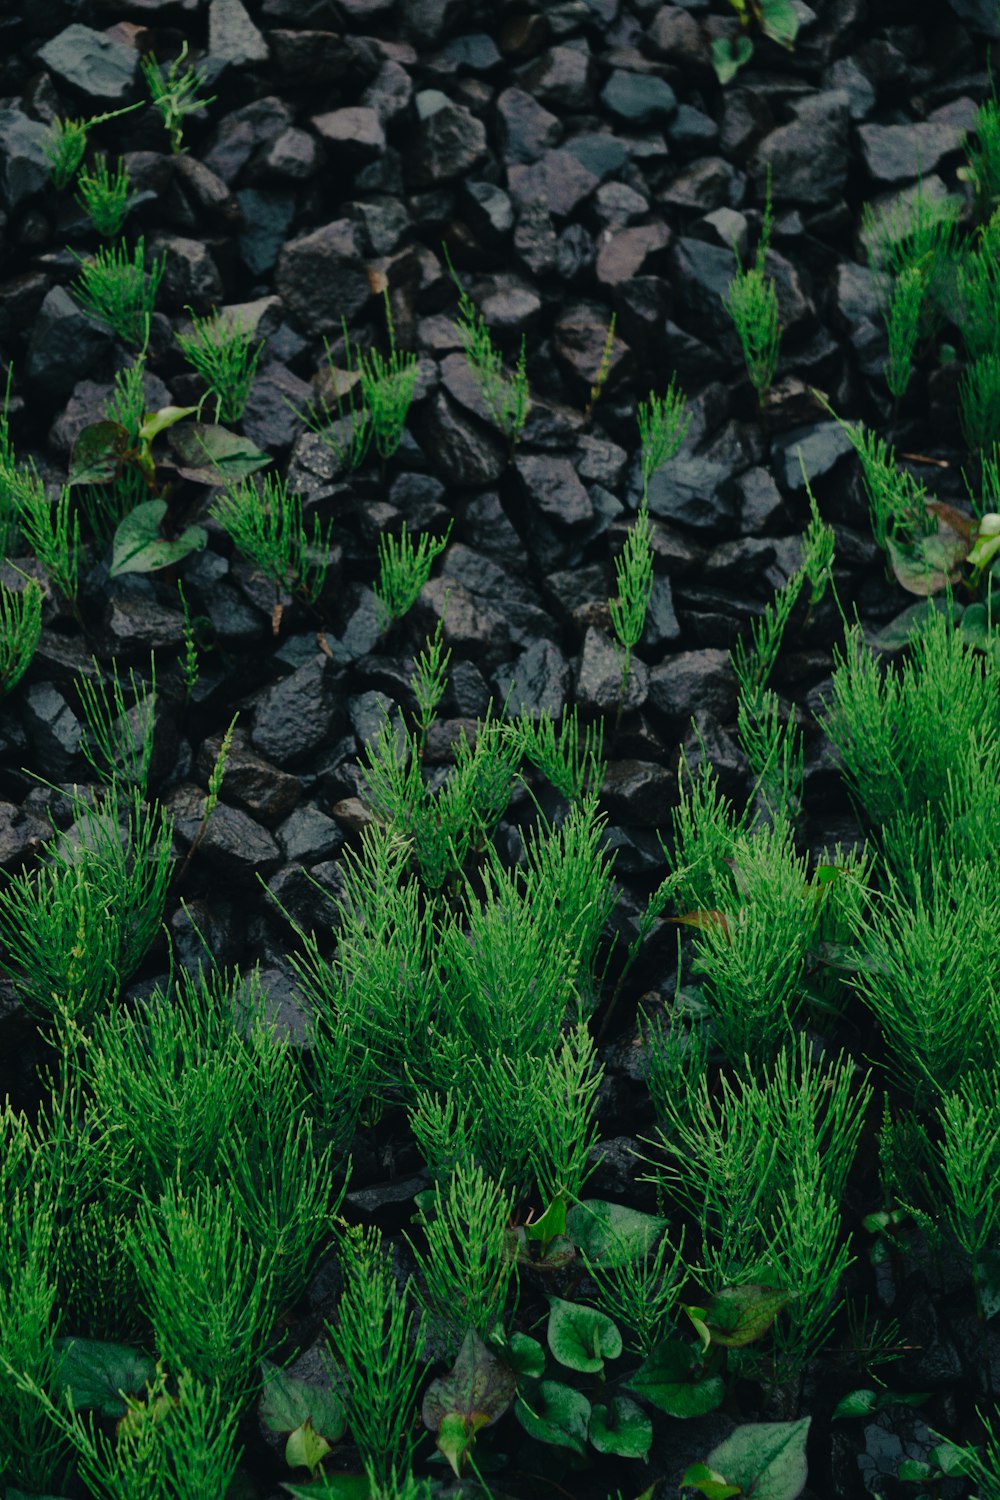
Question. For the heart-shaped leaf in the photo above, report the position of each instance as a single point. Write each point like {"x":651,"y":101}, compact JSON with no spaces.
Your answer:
{"x":728,"y":57}
{"x":557,"y":1415}
{"x":738,"y":1315}
{"x":779,"y":20}
{"x":208,"y":454}
{"x":525,"y":1355}
{"x":609,"y":1234}
{"x":623,"y":1429}
{"x":766,"y":1460}
{"x":95,"y":1372}
{"x":138,"y":546}
{"x":581,"y":1337}
{"x":670,"y":1379}
{"x":306,"y":1448}
{"x":287,"y":1402}
{"x":925,"y":566}
{"x":479,"y":1387}
{"x":97,"y":453}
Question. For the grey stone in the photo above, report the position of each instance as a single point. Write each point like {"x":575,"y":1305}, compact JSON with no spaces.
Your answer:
{"x":99,"y":67}
{"x":449,"y":143}
{"x":356,"y":134}
{"x":252,"y":782}
{"x":600,"y":152}
{"x":557,"y":181}
{"x":676,"y":35}
{"x":309,"y":835}
{"x":624,"y":254}
{"x":981,"y":16}
{"x":191,"y":275}
{"x":823,"y":445}
{"x":268,"y":419}
{"x":209,"y":192}
{"x":599,"y":675}
{"x":242,"y":132}
{"x":22,"y":835}
{"x":662,"y":625}
{"x":65,"y":343}
{"x":237,"y":846}
{"x":639,"y":99}
{"x":460,"y":451}
{"x":233,"y":39}
{"x":267,"y":216}
{"x":321,"y":276}
{"x":53,"y":731}
{"x":689,"y":490}
{"x":703,"y":273}
{"x":293,"y":155}
{"x":561,"y":77}
{"x":617,"y":204}
{"x":900,"y":153}
{"x":637,"y":791}
{"x":706,"y":185}
{"x":809,"y":156}
{"x":538,"y":682}
{"x":552,"y":486}
{"x":472,"y":626}
{"x":691,"y":130}
{"x":489,"y":209}
{"x":389,"y":93}
{"x":24,"y":166}
{"x":136,"y":618}
{"x":760,"y":501}
{"x":693,"y":680}
{"x":580,"y":339}
{"x":295,"y":716}
{"x":846,"y":74}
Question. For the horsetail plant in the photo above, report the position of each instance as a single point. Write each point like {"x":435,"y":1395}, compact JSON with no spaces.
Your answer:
{"x":104,"y":196}
{"x":572,"y":764}
{"x":403,"y":569}
{"x":266,"y":525}
{"x":219,"y":349}
{"x":119,"y":741}
{"x":504,"y":396}
{"x":634,"y":572}
{"x":116,"y":288}
{"x":603,"y":370}
{"x":983,"y":158}
{"x":663,"y":426}
{"x":66,"y":145}
{"x":429,"y":680}
{"x":752,"y":303}
{"x":52,"y":533}
{"x":20,"y":631}
{"x":903,"y":322}
{"x":175,"y":96}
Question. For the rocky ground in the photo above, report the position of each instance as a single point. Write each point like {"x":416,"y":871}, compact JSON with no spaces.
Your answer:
{"x":579,"y":159}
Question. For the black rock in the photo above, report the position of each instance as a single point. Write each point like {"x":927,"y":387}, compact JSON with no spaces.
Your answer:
{"x":638,"y":99}
{"x":296,"y":715}
{"x":692,"y":491}
{"x":53,"y":730}
{"x":97,"y":66}
{"x":448,"y":142}
{"x":321,"y":276}
{"x":599,"y":675}
{"x":233,"y":39}
{"x":693,"y":680}
{"x":252,"y":782}
{"x":191,"y":275}
{"x":24,"y":166}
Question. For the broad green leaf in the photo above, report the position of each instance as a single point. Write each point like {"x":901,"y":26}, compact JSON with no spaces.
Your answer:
{"x":728,"y":57}
{"x":623,"y":1430}
{"x":914,"y":1471}
{"x":139,"y":548}
{"x":156,"y":422}
{"x":551,"y":1225}
{"x":525,"y":1355}
{"x":712,"y":1485}
{"x":286,"y":1402}
{"x":553,"y":1256}
{"x":457,"y":1436}
{"x":864,"y":1402}
{"x":668,"y":1379}
{"x":738,"y":1315}
{"x":208,"y":454}
{"x":97,"y":453}
{"x":477,"y":1386}
{"x":609,"y":1234}
{"x":779,"y":21}
{"x":557,"y":1415}
{"x":927,"y":565}
{"x":766,"y":1459}
{"x":95,"y":1372}
{"x":581,"y":1337}
{"x":306,"y":1448}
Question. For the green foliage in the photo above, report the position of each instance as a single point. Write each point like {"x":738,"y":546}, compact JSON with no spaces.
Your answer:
{"x":778,"y":20}
{"x":119,"y":741}
{"x":20,"y":631}
{"x":979,"y":401}
{"x":429,"y":680}
{"x":970,"y":1160}
{"x":266,"y":525}
{"x":403,"y":569}
{"x":220,"y":349}
{"x":67,"y":144}
{"x":176,"y":95}
{"x":634,"y":574}
{"x":640,"y":1292}
{"x":663,"y":424}
{"x":761,"y":1458}
{"x":105,"y":196}
{"x":206,"y":1290}
{"x":603,"y":369}
{"x":52,"y":531}
{"x":77,"y":927}
{"x":914,"y":231}
{"x":761,"y":1164}
{"x":983,"y":158}
{"x":504,"y":396}
{"x":385,"y":388}
{"x":752,"y":302}
{"x":466,"y":1268}
{"x":903,"y":322}
{"x":377,"y":1344}
{"x":572,"y":765}
{"x":30,"y":1445}
{"x":977,"y":290}
{"x":116,"y":288}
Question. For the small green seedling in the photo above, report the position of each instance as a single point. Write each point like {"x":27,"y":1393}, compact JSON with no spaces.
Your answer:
{"x":752,"y":303}
{"x":116,"y":288}
{"x":778,"y":19}
{"x":176,"y":95}
{"x":67,"y":143}
{"x":219,"y":348}
{"x":105,"y":196}
{"x":267,"y":526}
{"x":504,"y":396}
{"x":403,"y":569}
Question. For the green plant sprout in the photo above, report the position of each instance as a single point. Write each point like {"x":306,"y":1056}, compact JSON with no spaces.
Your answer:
{"x":465,"y":1269}
{"x":663,"y":426}
{"x":189,"y":660}
{"x":104,"y":195}
{"x":266,"y":524}
{"x":404,"y":566}
{"x":979,"y":402}
{"x":603,"y":370}
{"x":915,"y":232}
{"x":119,"y":742}
{"x":903,"y":319}
{"x":215,"y":780}
{"x":66,"y":145}
{"x":634,"y":574}
{"x":778,"y":19}
{"x":429,"y":680}
{"x":20,"y":631}
{"x":504,"y":396}
{"x":982,"y":167}
{"x":384,"y":390}
{"x":116,"y":288}
{"x":52,"y":531}
{"x":752,"y":302}
{"x":176,"y":95}
{"x":219,"y":349}
{"x":573,"y":765}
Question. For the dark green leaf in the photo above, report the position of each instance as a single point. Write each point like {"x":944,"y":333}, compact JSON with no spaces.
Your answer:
{"x":623,"y":1430}
{"x":669,"y":1380}
{"x":557,"y":1415}
{"x":286,"y":1402}
{"x":98,"y":453}
{"x":779,"y":20}
{"x":581,"y":1337}
{"x":610,"y":1234}
{"x":712,"y":1485}
{"x":899,"y":631}
{"x":138,"y":546}
{"x":207,"y":454}
{"x":551,"y":1225}
{"x":525,"y":1355}
{"x":766,"y":1459}
{"x":862,"y":1403}
{"x":728,"y":57}
{"x":554,"y":1256}
{"x":738,"y":1315}
{"x":306,"y":1448}
{"x":95,"y":1372}
{"x":927,"y":565}
{"x":478,"y":1384}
